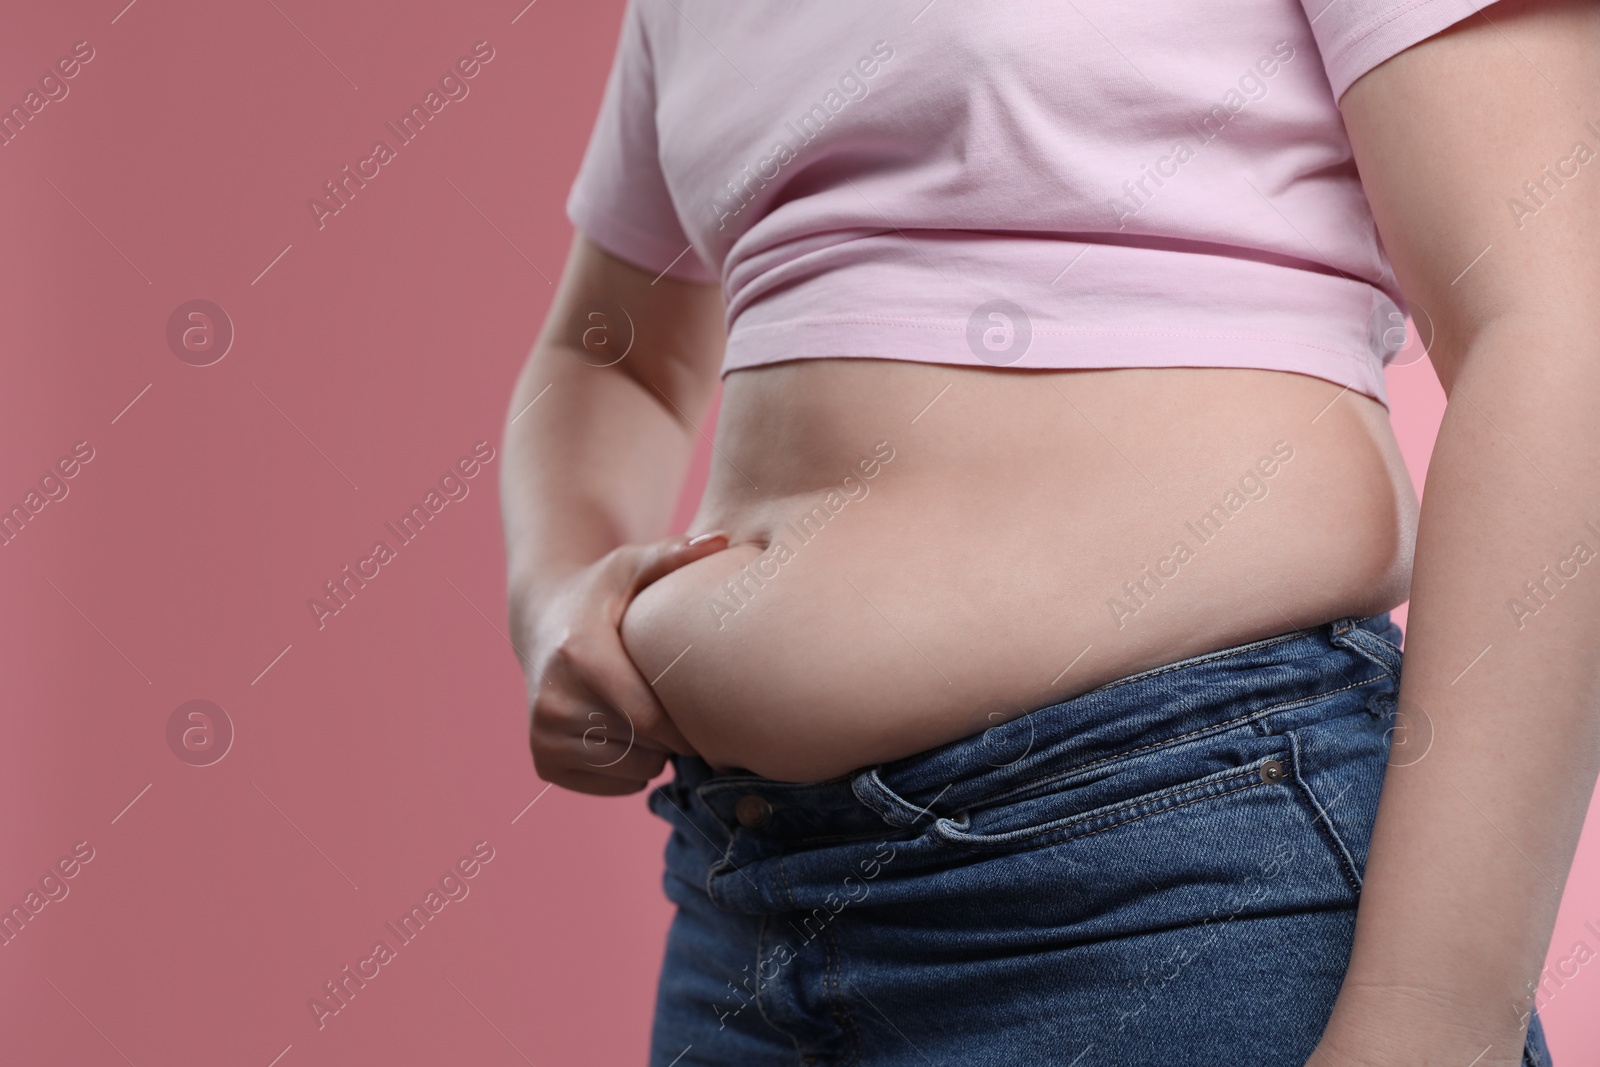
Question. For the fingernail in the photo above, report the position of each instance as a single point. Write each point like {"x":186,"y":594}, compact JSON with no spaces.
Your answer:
{"x":703,"y":538}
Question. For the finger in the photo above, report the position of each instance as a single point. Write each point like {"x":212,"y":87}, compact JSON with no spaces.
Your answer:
{"x":597,"y":784}
{"x":620,"y":686}
{"x":565,"y":761}
{"x":597,"y":685}
{"x":604,"y":733}
{"x":660,"y":558}
{"x":615,"y":680}
{"x":614,"y":759}
{"x":573,"y":715}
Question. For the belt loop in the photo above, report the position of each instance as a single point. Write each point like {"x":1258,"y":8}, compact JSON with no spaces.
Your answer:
{"x":1348,"y":633}
{"x":893,"y":808}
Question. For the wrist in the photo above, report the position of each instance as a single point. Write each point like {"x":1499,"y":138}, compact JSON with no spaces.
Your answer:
{"x":1419,"y":1026}
{"x":529,"y":594}
{"x":533,"y":581}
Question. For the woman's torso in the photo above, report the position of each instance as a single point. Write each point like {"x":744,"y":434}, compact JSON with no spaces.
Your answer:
{"x":1024,"y":536}
{"x":1166,"y":191}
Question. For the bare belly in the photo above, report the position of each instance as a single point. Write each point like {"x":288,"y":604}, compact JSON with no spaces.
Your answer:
{"x":920,"y":552}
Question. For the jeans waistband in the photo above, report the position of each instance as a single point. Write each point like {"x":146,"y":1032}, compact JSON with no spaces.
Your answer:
{"x":1204,"y":694}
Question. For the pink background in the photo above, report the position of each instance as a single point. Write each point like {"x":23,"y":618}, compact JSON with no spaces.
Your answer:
{"x":370,"y":354}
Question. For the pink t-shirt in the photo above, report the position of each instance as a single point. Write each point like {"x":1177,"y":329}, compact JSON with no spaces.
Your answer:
{"x":1093,"y":183}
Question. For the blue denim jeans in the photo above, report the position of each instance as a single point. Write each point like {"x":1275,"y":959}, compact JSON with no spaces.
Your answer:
{"x":1163,"y":870}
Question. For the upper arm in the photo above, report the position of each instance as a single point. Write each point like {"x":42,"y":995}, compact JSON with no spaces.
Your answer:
{"x":612,"y":317}
{"x":1479,"y":150}
{"x":621,"y":198}
{"x":632,"y":283}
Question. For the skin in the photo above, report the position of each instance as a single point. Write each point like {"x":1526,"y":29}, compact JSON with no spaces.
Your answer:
{"x":1473,"y":842}
{"x":978,"y":562}
{"x":971,"y":582}
{"x":889,"y":631}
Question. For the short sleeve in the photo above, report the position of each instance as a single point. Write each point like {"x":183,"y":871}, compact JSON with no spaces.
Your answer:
{"x":1356,"y":35}
{"x":620,"y":199}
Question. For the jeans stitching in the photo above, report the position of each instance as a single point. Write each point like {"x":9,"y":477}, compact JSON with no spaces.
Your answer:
{"x":788,"y":895}
{"x":836,"y":1007}
{"x":839,"y":1009}
{"x":1356,"y":637}
{"x":883,"y":802}
{"x":1324,"y":821}
{"x":1208,"y":657}
{"x":842,"y":839}
{"x":761,"y":944}
{"x":1140,"y":801}
{"x":1213,"y":728}
{"x":788,"y":891}
{"x":711,"y":865}
{"x":979,"y":842}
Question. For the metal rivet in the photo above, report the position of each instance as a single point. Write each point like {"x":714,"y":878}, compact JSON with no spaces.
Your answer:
{"x":752,"y":811}
{"x":1273,"y":770}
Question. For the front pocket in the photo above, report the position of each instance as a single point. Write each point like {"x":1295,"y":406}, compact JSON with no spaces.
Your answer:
{"x":1124,"y":791}
{"x":1340,"y":766}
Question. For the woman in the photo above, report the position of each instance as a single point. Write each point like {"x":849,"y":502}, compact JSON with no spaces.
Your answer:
{"x":1029,"y":683}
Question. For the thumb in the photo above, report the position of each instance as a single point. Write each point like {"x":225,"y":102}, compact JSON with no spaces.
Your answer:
{"x":660,"y":558}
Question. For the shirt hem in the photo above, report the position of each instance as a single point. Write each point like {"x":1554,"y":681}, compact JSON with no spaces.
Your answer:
{"x":1073,"y":348}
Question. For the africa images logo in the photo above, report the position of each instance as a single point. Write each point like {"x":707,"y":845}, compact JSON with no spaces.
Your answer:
{"x":999,"y":332}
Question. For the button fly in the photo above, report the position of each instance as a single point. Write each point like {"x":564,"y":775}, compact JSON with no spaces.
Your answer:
{"x":1273,"y":770}
{"x":752,"y":811}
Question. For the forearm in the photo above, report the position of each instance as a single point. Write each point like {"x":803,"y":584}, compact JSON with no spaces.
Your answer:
{"x":604,"y":416}
{"x":592,"y":461}
{"x":1473,"y":841}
